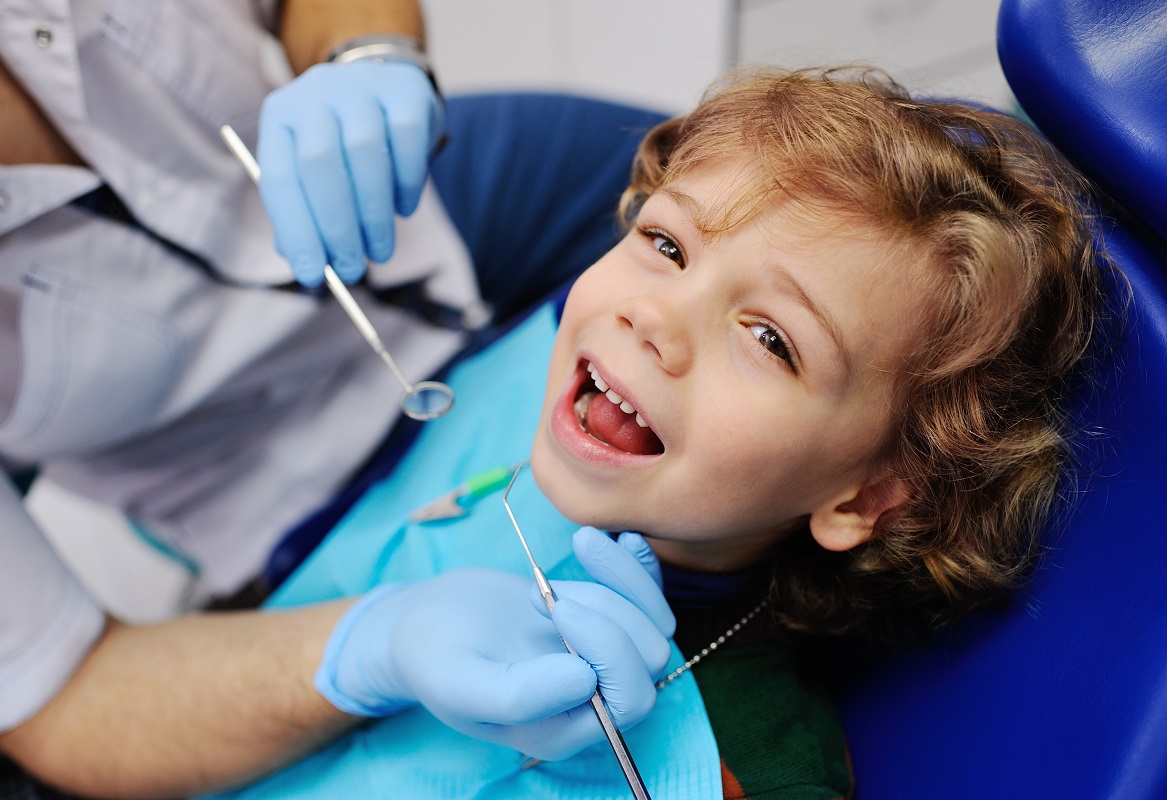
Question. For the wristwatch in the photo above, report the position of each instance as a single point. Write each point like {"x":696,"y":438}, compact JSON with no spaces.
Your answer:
{"x":383,"y":47}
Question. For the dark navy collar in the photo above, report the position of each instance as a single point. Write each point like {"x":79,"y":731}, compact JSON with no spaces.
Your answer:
{"x":693,"y":590}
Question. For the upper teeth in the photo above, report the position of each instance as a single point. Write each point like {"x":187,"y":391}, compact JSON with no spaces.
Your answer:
{"x":611,"y":394}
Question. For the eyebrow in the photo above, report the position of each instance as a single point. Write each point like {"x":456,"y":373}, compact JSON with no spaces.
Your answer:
{"x":784,"y":281}
{"x":688,"y":204}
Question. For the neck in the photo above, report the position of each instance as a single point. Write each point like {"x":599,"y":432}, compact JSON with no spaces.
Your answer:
{"x":712,"y":556}
{"x":27,"y":136}
{"x":715,"y":591}
{"x":707,"y":604}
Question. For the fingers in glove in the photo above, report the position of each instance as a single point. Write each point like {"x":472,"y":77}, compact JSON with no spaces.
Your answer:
{"x":625,"y":682}
{"x":552,"y":739}
{"x":324,"y":178}
{"x":492,"y":692}
{"x":650,"y":642}
{"x":616,"y":567}
{"x":296,"y":237}
{"x":409,"y":105}
{"x":638,"y":546}
{"x":370,"y":168}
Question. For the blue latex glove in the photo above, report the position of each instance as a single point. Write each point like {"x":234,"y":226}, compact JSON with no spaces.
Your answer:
{"x":341,"y":149}
{"x":470,"y":646}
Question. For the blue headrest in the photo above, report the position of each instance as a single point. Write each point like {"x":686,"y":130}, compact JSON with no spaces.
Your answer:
{"x":1092,"y":75}
{"x":1064,"y":694}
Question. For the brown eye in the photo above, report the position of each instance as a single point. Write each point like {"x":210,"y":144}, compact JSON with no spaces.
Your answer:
{"x":772,"y":341}
{"x":668,"y":248}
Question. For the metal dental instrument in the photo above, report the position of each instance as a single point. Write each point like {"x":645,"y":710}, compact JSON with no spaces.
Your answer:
{"x":422,"y":401}
{"x":631,"y":774}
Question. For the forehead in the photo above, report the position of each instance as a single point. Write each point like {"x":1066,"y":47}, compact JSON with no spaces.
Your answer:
{"x":720,"y":195}
{"x":733,"y":197}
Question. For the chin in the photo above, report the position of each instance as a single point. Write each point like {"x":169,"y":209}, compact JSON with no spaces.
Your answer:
{"x":566,"y":493}
{"x":557,"y":485}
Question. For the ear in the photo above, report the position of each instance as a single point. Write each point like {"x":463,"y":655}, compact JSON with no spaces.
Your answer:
{"x":848,"y":519}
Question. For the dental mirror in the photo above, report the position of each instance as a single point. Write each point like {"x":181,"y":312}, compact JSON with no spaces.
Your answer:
{"x":422,"y":401}
{"x":428,"y":400}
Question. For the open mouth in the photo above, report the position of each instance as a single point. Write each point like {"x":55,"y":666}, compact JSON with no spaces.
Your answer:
{"x":606,"y":416}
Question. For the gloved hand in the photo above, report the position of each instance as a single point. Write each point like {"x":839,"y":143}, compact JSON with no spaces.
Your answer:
{"x":342,"y":148}
{"x":470,"y":646}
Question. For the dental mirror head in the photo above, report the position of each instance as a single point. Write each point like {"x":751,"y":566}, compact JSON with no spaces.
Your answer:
{"x":422,"y":401}
{"x":427,"y":400}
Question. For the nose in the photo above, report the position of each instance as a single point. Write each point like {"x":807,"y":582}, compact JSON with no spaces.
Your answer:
{"x":661,"y":324}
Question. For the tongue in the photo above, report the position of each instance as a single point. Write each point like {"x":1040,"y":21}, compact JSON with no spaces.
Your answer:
{"x":610,"y":425}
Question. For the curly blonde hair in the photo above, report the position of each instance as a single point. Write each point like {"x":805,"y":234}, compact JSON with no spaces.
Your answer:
{"x":1016,"y":289}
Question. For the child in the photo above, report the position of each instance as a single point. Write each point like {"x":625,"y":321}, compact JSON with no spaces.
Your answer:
{"x":824,"y":373}
{"x":974,"y":292}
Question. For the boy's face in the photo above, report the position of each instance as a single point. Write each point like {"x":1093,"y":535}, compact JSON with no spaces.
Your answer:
{"x":762,"y":363}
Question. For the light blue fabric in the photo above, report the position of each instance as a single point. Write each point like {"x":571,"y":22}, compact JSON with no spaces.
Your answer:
{"x":411,"y":754}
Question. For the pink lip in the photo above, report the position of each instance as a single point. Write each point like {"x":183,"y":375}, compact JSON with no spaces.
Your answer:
{"x":574,"y":440}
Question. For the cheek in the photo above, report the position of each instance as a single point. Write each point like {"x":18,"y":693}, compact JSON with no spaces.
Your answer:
{"x":585,"y":303}
{"x":595,"y":282}
{"x":576,"y":311}
{"x":768,"y":459}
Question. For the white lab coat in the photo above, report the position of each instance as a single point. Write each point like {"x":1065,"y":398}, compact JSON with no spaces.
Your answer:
{"x":215,"y":410}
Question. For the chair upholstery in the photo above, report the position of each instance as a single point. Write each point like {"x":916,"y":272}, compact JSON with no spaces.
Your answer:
{"x":1064,"y":694}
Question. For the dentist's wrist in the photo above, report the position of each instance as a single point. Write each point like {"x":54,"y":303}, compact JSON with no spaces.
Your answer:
{"x":384,"y":47}
{"x":345,"y":677}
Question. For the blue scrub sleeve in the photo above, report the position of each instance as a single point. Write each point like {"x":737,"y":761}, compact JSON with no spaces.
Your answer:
{"x":532,"y":181}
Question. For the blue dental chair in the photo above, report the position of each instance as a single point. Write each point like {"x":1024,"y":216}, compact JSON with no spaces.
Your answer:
{"x":1064,"y":694}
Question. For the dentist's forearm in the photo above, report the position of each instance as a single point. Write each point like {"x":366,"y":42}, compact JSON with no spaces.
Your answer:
{"x":185,"y":707}
{"x":310,"y":28}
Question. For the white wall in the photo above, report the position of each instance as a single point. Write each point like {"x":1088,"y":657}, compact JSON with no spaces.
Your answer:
{"x":662,"y":53}
{"x":655,"y":53}
{"x":937,"y":47}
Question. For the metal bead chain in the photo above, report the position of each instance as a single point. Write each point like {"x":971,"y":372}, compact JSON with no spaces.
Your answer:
{"x":672,"y":676}
{"x":720,"y":640}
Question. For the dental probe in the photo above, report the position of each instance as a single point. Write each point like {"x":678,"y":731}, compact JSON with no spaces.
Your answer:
{"x":631,"y":774}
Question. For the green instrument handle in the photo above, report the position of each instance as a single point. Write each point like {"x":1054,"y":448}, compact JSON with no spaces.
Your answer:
{"x":488,"y":481}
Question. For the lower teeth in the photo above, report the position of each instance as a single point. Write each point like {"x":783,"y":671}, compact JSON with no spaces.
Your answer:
{"x":581,"y":407}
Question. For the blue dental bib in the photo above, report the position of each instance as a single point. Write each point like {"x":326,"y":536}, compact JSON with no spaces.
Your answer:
{"x":411,"y":754}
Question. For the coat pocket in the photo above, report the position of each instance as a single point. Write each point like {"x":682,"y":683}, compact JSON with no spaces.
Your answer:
{"x":94,"y":370}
